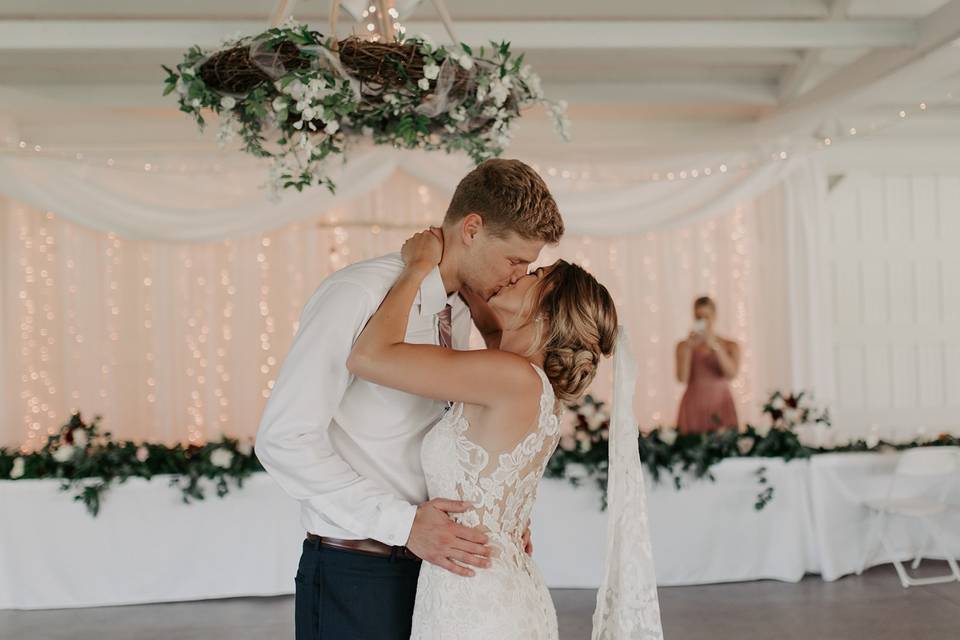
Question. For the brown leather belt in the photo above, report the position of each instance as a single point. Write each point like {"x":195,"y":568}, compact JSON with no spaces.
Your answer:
{"x":368,"y":546}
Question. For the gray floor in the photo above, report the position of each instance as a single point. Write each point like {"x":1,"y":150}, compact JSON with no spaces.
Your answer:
{"x":873,"y":606}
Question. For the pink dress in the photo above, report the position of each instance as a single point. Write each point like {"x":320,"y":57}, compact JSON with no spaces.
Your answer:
{"x":707,"y":404}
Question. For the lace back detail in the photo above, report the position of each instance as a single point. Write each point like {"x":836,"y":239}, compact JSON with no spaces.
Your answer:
{"x":509,"y":600}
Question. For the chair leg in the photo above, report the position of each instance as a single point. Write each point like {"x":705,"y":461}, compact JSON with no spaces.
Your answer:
{"x":905,"y":579}
{"x":920,"y":549}
{"x":937,"y":535}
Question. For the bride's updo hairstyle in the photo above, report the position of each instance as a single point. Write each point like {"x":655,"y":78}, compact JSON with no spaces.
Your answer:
{"x":576,"y":323}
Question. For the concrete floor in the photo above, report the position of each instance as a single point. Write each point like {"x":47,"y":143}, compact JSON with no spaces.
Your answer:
{"x":873,"y":606}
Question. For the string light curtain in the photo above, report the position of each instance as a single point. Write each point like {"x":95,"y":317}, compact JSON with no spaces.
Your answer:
{"x":178,"y":341}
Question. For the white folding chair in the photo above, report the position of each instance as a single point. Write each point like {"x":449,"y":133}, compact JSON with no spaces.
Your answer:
{"x":936,"y":469}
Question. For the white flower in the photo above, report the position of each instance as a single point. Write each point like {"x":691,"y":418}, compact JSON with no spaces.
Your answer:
{"x":458,"y":114}
{"x":604,"y":434}
{"x":778,"y":403}
{"x":873,"y":440}
{"x":431,"y":71}
{"x":745,"y":444}
{"x":585,"y":445}
{"x":230,"y":126}
{"x":245,"y":447}
{"x":228,"y":102}
{"x":279,"y":103}
{"x":575,"y":470}
{"x":222,"y":458}
{"x":587,"y":410}
{"x":142,"y":453}
{"x":568,"y":443}
{"x":18,"y":469}
{"x":182,"y":88}
{"x":762,"y":430}
{"x":195,"y":102}
{"x":532,"y":80}
{"x":424,"y":84}
{"x":332,"y":127}
{"x":308,"y":113}
{"x":64,"y":453}
{"x":188,"y":72}
{"x":465,"y":61}
{"x":80,"y":438}
{"x":791,"y":416}
{"x":596,"y":421}
{"x":500,"y":90}
{"x":668,"y":436}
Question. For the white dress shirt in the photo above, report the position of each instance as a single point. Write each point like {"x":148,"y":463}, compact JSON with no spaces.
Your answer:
{"x":347,"y":449}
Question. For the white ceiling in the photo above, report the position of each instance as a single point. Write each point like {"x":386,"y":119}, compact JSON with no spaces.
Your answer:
{"x":650,"y":69}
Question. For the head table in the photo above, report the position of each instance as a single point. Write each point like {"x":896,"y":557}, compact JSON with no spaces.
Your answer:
{"x":147,"y":546}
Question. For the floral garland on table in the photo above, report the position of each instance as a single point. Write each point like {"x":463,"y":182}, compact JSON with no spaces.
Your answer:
{"x":583,"y":453}
{"x":299,"y":98}
{"x":89,"y":462}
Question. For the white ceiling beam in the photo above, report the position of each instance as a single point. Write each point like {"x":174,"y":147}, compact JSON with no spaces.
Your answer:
{"x":795,"y":80}
{"x":537,"y":34}
{"x":873,"y":72}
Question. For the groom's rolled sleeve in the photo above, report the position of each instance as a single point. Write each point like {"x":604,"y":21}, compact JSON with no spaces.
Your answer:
{"x":293,"y":442}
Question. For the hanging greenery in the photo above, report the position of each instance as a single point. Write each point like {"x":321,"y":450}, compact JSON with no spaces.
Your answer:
{"x":300,"y":98}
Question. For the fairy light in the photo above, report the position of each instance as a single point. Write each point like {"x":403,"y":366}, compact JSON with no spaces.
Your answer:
{"x":150,"y":381}
{"x":268,"y":322}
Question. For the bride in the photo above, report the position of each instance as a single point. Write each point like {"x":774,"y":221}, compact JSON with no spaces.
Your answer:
{"x":545,"y":336}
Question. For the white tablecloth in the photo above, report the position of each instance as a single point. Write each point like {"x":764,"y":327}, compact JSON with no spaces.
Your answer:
{"x":146,"y":546}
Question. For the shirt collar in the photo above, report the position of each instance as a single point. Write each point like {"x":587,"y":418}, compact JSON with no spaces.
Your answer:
{"x":433,"y":295}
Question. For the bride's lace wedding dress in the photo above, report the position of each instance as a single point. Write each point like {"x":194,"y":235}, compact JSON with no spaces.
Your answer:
{"x":508,"y":600}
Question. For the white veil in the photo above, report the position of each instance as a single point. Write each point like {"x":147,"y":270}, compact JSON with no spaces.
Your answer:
{"x":627,"y":603}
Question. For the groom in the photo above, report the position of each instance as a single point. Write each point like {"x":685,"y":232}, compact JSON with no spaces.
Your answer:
{"x":349,"y":450}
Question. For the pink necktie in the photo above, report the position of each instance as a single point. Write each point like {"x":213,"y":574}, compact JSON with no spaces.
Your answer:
{"x":446,"y":327}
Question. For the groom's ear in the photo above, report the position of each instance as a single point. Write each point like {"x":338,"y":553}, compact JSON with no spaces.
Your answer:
{"x":471,"y":225}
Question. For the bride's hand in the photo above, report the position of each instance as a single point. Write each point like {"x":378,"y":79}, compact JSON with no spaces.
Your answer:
{"x":423,"y":250}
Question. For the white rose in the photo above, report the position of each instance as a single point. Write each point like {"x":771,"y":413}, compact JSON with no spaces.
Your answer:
{"x":80,"y":438}
{"x":873,"y":440}
{"x":431,"y":71}
{"x":745,"y":444}
{"x":279,"y":104}
{"x":142,"y":453}
{"x":668,"y":436}
{"x":762,"y":430}
{"x":19,"y":467}
{"x":64,"y":453}
{"x":332,"y":127}
{"x":575,"y":470}
{"x":245,"y":448}
{"x":424,"y":84}
{"x":588,"y":410}
{"x":778,"y":403}
{"x":222,"y":458}
{"x":228,"y":102}
{"x":466,"y":62}
{"x":596,"y":421}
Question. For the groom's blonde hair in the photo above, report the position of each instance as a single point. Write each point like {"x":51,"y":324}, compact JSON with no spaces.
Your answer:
{"x":510,"y":196}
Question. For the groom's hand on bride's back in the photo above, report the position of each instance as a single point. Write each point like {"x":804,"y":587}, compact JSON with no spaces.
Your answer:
{"x":437,"y":539}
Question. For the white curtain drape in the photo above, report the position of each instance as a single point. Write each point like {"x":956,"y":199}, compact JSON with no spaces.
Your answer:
{"x":172,"y":202}
{"x":167,"y":302}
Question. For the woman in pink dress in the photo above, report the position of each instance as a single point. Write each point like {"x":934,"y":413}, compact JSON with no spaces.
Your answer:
{"x":706,"y":363}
